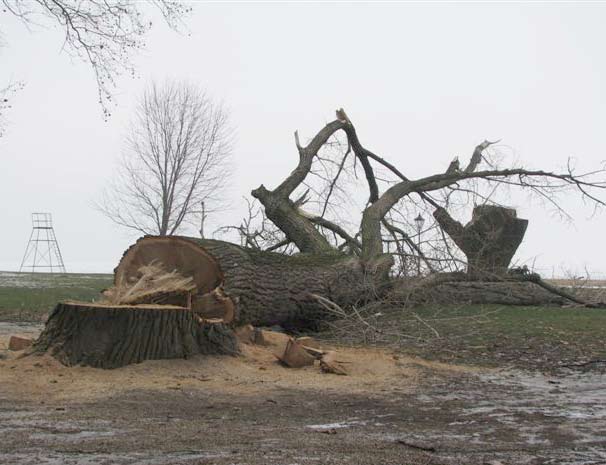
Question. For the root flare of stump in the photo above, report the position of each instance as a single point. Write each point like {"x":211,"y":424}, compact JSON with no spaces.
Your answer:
{"x":109,"y":336}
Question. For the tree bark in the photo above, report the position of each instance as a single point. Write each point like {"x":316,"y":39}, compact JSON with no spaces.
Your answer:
{"x":298,"y":228}
{"x":489,"y":240}
{"x":113,"y":336}
{"x":283,"y":212}
{"x":475,"y":292}
{"x":268,"y":288}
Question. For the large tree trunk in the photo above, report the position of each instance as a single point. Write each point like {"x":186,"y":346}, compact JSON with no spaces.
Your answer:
{"x":489,"y":240}
{"x":233,"y":286}
{"x":268,"y":288}
{"x":113,"y":336}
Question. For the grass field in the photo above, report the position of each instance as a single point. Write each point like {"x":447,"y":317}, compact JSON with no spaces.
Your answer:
{"x":29,"y":297}
{"x":544,"y":338}
{"x":537,"y":337}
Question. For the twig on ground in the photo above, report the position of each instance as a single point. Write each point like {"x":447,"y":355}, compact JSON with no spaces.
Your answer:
{"x":424,"y":447}
{"x":434,"y":330}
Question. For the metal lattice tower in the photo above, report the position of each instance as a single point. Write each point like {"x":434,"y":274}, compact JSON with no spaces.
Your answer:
{"x":42,"y":252}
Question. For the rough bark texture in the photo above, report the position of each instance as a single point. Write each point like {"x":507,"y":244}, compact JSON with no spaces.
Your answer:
{"x":271,"y":288}
{"x":476,"y":292}
{"x":489,"y":240}
{"x":299,"y":229}
{"x":114,"y":336}
{"x":283,"y":212}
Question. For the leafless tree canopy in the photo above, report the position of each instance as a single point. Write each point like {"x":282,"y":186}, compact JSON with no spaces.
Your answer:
{"x":313,"y":206}
{"x":177,"y":156}
{"x":104,"y":34}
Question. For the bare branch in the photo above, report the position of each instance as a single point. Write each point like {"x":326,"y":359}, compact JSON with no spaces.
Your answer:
{"x":362,"y":155}
{"x":177,"y":157}
{"x":476,"y":157}
{"x":306,"y":156}
{"x":106,"y":35}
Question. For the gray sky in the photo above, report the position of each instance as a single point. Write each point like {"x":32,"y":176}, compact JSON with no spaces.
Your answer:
{"x":422,"y":83}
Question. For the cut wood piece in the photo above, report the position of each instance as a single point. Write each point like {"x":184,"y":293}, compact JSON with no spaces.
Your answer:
{"x":294,"y":355}
{"x":274,"y":339}
{"x":311,"y":346}
{"x":317,"y":354}
{"x":259,"y":339}
{"x":329,"y":364}
{"x":214,"y":304}
{"x":308,"y":341}
{"x":277,"y":342}
{"x":17,"y":343}
{"x":111,"y":336}
{"x":246,"y":334}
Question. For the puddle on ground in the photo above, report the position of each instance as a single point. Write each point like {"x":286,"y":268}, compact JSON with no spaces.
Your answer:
{"x":338,"y":425}
{"x":556,"y":419}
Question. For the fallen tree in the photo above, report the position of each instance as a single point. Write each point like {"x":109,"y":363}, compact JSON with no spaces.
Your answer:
{"x":212,"y":287}
{"x":268,"y":288}
{"x":235,"y":285}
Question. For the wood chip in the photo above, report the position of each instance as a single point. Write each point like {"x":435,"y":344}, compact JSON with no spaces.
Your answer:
{"x":329,"y":364}
{"x":295,"y":356}
{"x":246,"y":334}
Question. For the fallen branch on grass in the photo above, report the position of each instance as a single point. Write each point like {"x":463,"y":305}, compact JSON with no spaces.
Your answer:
{"x":333,"y":307}
{"x":434,"y":330}
{"x":415,"y":445}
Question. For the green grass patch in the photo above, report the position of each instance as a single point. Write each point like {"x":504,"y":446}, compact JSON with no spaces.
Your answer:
{"x":29,"y":296}
{"x":545,"y":337}
{"x":519,"y":322}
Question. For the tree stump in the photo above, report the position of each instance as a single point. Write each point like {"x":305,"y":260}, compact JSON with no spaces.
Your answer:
{"x":489,"y":240}
{"x":107,"y":336}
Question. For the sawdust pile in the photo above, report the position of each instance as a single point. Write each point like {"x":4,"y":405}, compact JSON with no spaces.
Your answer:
{"x":255,"y":372}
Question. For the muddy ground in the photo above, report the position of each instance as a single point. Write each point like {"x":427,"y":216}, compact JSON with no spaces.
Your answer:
{"x":391,"y":409}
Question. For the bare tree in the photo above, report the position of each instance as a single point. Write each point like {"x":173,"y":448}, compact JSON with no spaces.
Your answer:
{"x":177,"y":156}
{"x":103,"y":34}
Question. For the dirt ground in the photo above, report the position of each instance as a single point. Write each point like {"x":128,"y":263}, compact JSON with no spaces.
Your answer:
{"x":391,"y":409}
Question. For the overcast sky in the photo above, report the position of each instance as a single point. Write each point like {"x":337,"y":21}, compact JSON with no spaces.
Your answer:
{"x":421,"y":82}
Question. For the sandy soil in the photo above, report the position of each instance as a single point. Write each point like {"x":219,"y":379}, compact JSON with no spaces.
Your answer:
{"x":391,"y":409}
{"x":251,"y":373}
